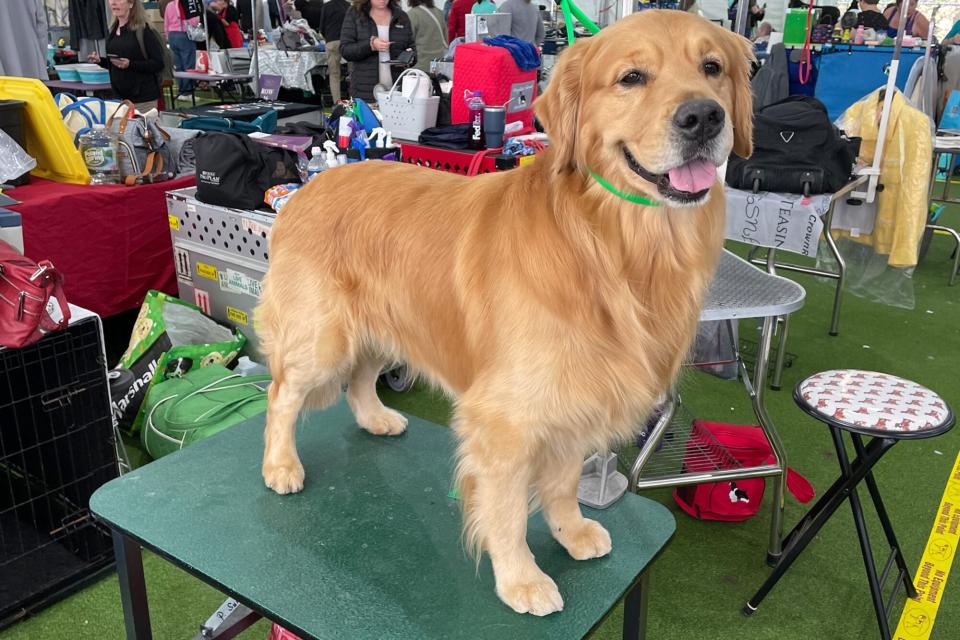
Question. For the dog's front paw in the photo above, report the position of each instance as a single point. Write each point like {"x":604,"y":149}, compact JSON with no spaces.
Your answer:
{"x":383,"y":423}
{"x":285,"y":478}
{"x":537,"y":595}
{"x":584,"y":541}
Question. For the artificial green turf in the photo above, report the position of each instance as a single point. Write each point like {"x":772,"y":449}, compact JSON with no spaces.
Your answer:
{"x":709,"y":570}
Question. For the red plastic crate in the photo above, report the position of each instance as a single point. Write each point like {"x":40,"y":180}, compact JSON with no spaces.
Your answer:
{"x":444,"y":159}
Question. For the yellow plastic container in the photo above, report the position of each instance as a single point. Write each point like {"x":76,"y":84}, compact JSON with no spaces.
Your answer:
{"x":48,"y":140}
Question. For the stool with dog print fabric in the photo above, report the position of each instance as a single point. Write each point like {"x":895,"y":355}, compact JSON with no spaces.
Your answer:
{"x":887,"y":409}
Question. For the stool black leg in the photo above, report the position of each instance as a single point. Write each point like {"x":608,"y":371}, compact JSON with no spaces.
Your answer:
{"x":885,"y":521}
{"x":875,"y":591}
{"x":823,"y":510}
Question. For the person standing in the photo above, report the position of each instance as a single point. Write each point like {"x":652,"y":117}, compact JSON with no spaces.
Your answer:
{"x":23,"y":39}
{"x":870,"y":16}
{"x":526,"y":22}
{"x":374,"y":33}
{"x":483,"y":6}
{"x":134,"y":55}
{"x":917,"y":23}
{"x":457,"y":19}
{"x":429,"y":34}
{"x":331,"y":24}
{"x":217,"y":37}
{"x":183,"y":48}
{"x":230,"y":19}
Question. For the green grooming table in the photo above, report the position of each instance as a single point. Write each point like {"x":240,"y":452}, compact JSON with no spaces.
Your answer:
{"x":370,"y":548}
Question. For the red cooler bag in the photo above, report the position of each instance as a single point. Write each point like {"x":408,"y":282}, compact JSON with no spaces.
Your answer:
{"x":492,"y":71}
{"x":732,"y":500}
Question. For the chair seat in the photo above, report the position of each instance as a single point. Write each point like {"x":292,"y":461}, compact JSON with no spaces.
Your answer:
{"x":875,"y":404}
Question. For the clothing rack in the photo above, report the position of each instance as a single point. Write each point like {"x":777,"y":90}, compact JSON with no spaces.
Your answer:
{"x":873,"y":171}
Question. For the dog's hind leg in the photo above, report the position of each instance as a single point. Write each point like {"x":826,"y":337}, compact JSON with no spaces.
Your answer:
{"x":362,"y":397}
{"x":494,"y":475}
{"x":558,"y":475}
{"x":301,"y":374}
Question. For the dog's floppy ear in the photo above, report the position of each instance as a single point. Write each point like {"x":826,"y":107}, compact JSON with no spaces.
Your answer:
{"x":558,"y":107}
{"x":742,"y":56}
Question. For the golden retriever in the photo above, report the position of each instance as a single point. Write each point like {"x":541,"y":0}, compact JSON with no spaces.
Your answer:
{"x":552,"y":310}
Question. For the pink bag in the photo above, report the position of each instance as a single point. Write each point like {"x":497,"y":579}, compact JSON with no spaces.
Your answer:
{"x":279,"y":633}
{"x":737,"y":500}
{"x":26,"y":288}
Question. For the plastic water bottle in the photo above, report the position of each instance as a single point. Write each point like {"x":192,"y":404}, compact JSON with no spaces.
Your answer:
{"x":858,"y":38}
{"x":316,"y":164}
{"x":99,"y":149}
{"x":475,"y":106}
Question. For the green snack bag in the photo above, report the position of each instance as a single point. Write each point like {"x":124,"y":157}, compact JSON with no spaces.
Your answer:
{"x":169,"y":333}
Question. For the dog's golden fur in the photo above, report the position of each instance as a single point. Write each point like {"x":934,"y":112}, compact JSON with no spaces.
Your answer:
{"x":553,"y":312}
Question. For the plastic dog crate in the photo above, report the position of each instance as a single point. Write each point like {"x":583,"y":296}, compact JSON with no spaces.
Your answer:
{"x":220,"y":255}
{"x":56,"y":448}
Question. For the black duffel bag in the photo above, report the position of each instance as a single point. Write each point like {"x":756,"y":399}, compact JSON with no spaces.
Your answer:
{"x":796,"y":149}
{"x":234,"y":171}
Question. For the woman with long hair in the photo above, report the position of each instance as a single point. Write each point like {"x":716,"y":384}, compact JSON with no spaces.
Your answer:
{"x":429,"y":32}
{"x":374,"y":33}
{"x":134,"y":55}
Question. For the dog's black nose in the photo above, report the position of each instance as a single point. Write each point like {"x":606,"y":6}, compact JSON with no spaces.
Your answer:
{"x":699,"y":119}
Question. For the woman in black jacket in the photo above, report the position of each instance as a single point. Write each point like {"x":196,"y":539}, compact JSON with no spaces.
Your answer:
{"x":134,"y":55}
{"x":374,"y":32}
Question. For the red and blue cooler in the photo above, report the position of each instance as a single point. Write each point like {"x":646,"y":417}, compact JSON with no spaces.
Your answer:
{"x":492,"y":71}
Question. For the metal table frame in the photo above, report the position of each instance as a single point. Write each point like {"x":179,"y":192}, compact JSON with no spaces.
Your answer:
{"x":945,"y":199}
{"x":839,"y":275}
{"x":215,"y":79}
{"x":738,"y":291}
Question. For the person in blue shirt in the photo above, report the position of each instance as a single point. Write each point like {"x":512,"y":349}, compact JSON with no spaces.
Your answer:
{"x":484,"y":6}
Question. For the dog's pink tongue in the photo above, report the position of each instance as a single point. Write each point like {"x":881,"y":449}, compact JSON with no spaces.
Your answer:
{"x":694,"y":176}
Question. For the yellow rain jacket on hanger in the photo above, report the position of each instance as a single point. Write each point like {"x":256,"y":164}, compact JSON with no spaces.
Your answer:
{"x":904,"y":174}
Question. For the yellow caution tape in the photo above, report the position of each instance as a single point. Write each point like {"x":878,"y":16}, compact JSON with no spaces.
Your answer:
{"x":916,"y":621}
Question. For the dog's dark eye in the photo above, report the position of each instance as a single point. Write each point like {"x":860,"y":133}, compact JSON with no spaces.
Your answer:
{"x":712,"y":68}
{"x":633,"y":78}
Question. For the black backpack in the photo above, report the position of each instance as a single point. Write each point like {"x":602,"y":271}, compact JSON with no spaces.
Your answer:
{"x":234,"y":171}
{"x":796,"y":149}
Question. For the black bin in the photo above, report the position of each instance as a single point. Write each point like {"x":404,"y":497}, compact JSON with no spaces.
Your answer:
{"x":11,"y":121}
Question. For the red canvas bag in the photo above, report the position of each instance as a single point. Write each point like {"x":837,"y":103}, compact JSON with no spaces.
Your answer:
{"x":732,"y":500}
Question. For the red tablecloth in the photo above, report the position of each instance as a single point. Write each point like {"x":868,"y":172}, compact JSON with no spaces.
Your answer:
{"x":111,"y":242}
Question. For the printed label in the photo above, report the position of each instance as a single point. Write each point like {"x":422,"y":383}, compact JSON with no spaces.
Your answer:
{"x":181,"y":260}
{"x":256,"y":228}
{"x":235,"y":315}
{"x":100,"y":159}
{"x":242,"y":283}
{"x":202,"y":299}
{"x":174,"y":222}
{"x":207,"y":271}
{"x":191,"y":208}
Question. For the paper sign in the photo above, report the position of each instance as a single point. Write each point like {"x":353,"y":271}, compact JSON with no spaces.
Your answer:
{"x":269,"y":87}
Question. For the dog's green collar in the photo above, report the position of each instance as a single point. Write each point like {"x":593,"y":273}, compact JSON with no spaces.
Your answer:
{"x":623,"y":195}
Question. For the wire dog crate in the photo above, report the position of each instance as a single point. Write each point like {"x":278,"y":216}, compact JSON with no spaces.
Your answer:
{"x":56,"y":449}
